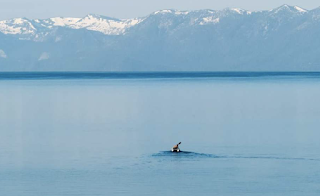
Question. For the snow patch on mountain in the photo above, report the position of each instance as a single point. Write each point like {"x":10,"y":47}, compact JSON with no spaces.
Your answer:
{"x":103,"y":25}
{"x":237,"y":10}
{"x":181,"y":12}
{"x":163,"y":11}
{"x":171,"y":11}
{"x":3,"y":54}
{"x":300,"y":9}
{"x":58,"y":39}
{"x":64,"y":21}
{"x":209,"y":20}
{"x":44,"y":56}
{"x":108,"y":26}
{"x":17,"y":26}
{"x":18,"y":21}
{"x":288,"y":8}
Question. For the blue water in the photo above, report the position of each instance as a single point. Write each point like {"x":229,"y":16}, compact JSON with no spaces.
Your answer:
{"x":110,"y":134}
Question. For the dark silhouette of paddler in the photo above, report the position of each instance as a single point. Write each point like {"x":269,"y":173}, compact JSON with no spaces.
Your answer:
{"x":176,"y":148}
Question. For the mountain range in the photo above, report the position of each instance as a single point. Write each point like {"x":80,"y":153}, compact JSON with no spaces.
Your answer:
{"x":286,"y":38}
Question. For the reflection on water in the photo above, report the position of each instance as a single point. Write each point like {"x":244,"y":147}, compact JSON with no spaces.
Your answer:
{"x":240,"y":136}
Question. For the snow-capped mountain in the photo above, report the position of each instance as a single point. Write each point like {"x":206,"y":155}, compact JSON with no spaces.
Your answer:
{"x":34,"y":28}
{"x":113,"y":26}
{"x":232,"y":39}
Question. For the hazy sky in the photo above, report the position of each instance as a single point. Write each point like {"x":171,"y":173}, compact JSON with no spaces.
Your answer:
{"x":129,"y":8}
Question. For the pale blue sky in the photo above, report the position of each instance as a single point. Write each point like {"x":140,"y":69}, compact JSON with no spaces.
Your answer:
{"x":129,"y":8}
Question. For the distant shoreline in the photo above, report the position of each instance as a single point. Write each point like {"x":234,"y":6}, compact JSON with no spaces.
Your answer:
{"x":150,"y":75}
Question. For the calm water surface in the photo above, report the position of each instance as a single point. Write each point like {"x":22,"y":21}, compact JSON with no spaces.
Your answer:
{"x":108,"y":134}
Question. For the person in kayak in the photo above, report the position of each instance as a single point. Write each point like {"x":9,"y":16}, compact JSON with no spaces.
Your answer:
{"x":176,"y":148}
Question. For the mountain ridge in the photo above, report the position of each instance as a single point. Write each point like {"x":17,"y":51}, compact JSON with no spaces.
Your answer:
{"x":233,"y":39}
{"x":111,"y":25}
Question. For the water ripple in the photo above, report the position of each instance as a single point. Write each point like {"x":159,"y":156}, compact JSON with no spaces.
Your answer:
{"x":187,"y":154}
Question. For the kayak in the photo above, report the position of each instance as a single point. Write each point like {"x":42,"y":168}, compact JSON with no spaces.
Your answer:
{"x":175,"y":150}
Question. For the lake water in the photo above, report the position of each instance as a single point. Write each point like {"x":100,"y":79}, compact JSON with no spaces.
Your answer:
{"x":110,"y":134}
